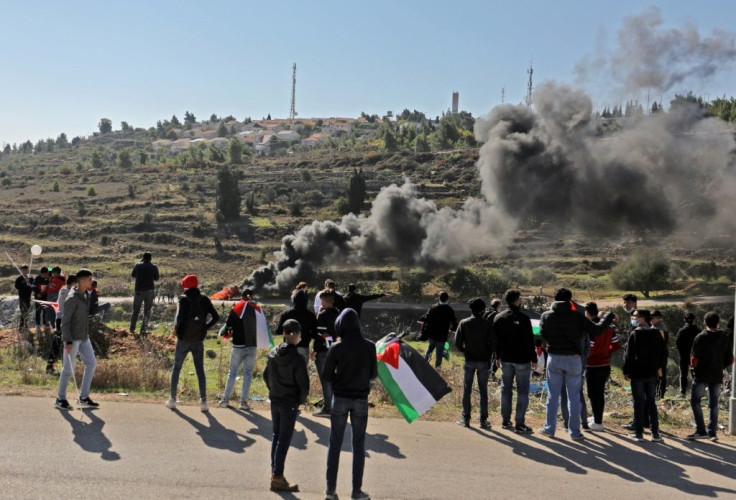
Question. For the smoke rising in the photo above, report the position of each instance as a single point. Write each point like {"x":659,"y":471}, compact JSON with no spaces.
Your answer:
{"x":658,"y":175}
{"x":647,"y":55}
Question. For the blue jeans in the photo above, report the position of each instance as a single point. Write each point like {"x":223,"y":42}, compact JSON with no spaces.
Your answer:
{"x":563,"y":370}
{"x":564,"y":405}
{"x":439,"y":346}
{"x":696,"y":395}
{"x":644,"y":391}
{"x":283,"y":417}
{"x":358,"y":411}
{"x":482,"y":369}
{"x":319,"y":362}
{"x":146,"y":299}
{"x":522,"y":372}
{"x":183,"y":347}
{"x":85,"y":351}
{"x":245,"y":356}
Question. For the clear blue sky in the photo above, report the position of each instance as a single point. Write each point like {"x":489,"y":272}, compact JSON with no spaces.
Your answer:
{"x":67,"y":64}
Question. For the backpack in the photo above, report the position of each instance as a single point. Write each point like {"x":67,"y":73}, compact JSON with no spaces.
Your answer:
{"x":194,"y":328}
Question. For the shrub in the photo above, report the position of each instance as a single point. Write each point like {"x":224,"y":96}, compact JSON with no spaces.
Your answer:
{"x":644,"y":271}
{"x":91,"y":191}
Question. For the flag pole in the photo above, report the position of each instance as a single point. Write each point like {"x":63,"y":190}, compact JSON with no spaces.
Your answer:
{"x":732,"y":401}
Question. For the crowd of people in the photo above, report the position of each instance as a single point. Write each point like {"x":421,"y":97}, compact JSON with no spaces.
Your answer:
{"x":573,"y":349}
{"x":575,"y":344}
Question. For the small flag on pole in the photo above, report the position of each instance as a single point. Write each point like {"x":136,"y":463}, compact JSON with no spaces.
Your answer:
{"x":412,"y":384}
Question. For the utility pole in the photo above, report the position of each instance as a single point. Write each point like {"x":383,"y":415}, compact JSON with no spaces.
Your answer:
{"x":732,"y":400}
{"x":292,"y":111}
{"x":503,"y":95}
{"x":529,"y":86}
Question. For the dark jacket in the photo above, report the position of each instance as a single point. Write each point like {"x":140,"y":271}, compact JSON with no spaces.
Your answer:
{"x":564,"y":328}
{"x":306,"y":318}
{"x":145,"y":273}
{"x":440,"y":319}
{"x":645,"y":353}
{"x":710,"y":356}
{"x":286,"y":375}
{"x":475,"y":338}
{"x":242,"y":322}
{"x":351,"y":363}
{"x":182,"y":314}
{"x":326,"y":333}
{"x":38,"y":282}
{"x":684,"y":340}
{"x":515,"y":336}
{"x":355,"y":300}
{"x":24,"y":287}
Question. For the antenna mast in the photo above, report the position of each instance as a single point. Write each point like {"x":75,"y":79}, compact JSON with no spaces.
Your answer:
{"x":292,"y":111}
{"x":529,"y":86}
{"x":503,"y":95}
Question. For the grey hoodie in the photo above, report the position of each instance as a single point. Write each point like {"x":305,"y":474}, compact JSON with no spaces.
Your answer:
{"x":75,"y":323}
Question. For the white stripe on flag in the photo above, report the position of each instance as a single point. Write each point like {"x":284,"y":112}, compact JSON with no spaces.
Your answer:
{"x":262,"y":339}
{"x":413,"y":389}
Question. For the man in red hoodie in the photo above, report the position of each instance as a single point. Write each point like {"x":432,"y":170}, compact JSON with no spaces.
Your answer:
{"x":598,"y":366}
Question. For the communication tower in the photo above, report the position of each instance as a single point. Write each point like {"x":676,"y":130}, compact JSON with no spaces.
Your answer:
{"x":529,"y":86}
{"x":292,"y":111}
{"x":455,"y":102}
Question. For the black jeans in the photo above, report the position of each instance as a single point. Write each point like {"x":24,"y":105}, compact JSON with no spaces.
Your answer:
{"x":183,"y":347}
{"x":684,"y":371}
{"x":283,"y":417}
{"x":595,"y":379}
{"x":482,"y":370}
{"x":645,"y":404}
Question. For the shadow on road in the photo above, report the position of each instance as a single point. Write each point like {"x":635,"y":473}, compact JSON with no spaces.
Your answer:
{"x":658,"y":463}
{"x":89,"y":436}
{"x":215,"y":435}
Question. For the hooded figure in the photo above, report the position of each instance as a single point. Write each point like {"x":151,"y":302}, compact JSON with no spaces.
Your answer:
{"x":306,"y":318}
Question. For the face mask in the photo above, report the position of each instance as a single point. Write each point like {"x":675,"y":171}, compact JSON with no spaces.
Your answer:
{"x":629,"y":310}
{"x":634,"y":322}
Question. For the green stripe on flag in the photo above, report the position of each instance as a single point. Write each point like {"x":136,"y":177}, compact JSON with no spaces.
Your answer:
{"x":396,"y":394}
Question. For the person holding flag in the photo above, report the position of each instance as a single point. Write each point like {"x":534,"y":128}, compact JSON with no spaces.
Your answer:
{"x":243,"y":323}
{"x":56,"y":344}
{"x":350,"y":366}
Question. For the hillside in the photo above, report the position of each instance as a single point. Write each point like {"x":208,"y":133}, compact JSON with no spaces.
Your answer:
{"x":87,"y":205}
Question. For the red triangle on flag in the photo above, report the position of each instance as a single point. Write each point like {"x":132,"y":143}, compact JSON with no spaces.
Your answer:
{"x":390,"y":355}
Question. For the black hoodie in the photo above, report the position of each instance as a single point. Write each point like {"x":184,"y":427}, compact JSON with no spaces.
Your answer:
{"x":304,"y":316}
{"x":351,"y":363}
{"x":184,"y":322}
{"x":564,"y":329}
{"x":286,"y":375}
{"x":515,"y":336}
{"x":645,"y":353}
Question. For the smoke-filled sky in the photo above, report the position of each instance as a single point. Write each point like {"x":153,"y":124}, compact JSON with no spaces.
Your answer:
{"x":660,"y":174}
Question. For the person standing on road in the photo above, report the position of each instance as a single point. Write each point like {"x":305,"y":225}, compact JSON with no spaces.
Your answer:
{"x":241,"y":322}
{"x":190,"y":330}
{"x":326,"y":335}
{"x":684,"y":343}
{"x":440,"y":319}
{"x":490,"y":316}
{"x":711,"y":354}
{"x":598,"y":367}
{"x":355,"y":300}
{"x":350,"y":366}
{"x":24,"y":285}
{"x":516,"y":357}
{"x":288,"y":386}
{"x":475,"y":339}
{"x":642,"y":364}
{"x":75,"y":336}
{"x":56,"y":344}
{"x":145,"y":274}
{"x":662,"y":328}
{"x":564,"y":328}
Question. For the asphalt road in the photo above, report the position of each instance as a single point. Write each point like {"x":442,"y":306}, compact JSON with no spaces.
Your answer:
{"x":139,"y":450}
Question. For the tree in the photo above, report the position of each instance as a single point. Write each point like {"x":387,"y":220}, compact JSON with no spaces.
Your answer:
{"x":235,"y":151}
{"x":175,"y":121}
{"x":268,"y":117}
{"x":356,"y":191}
{"x":142,"y":157}
{"x":6,"y":149}
{"x":645,"y":271}
{"x":125,"y":159}
{"x":541,"y":276}
{"x":105,"y":125}
{"x":125,"y":127}
{"x":213,"y":117}
{"x":61,"y":141}
{"x":55,"y":187}
{"x":189,"y":118}
{"x":389,"y":138}
{"x":98,"y":161}
{"x":222,"y":130}
{"x":228,"y":195}
{"x":250,"y":203}
{"x":91,"y":191}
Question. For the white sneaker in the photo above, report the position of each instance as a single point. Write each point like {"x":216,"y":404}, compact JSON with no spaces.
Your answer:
{"x":203,"y":405}
{"x":596,"y":427}
{"x":171,"y":404}
{"x":222,"y":404}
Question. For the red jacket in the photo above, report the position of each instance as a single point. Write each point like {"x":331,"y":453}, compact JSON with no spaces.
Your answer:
{"x":56,"y":283}
{"x":602,"y":347}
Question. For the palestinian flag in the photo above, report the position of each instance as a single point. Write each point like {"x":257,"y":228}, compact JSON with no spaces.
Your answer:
{"x":55,"y":305}
{"x":252,"y":314}
{"x":535,"y":327}
{"x":412,"y":384}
